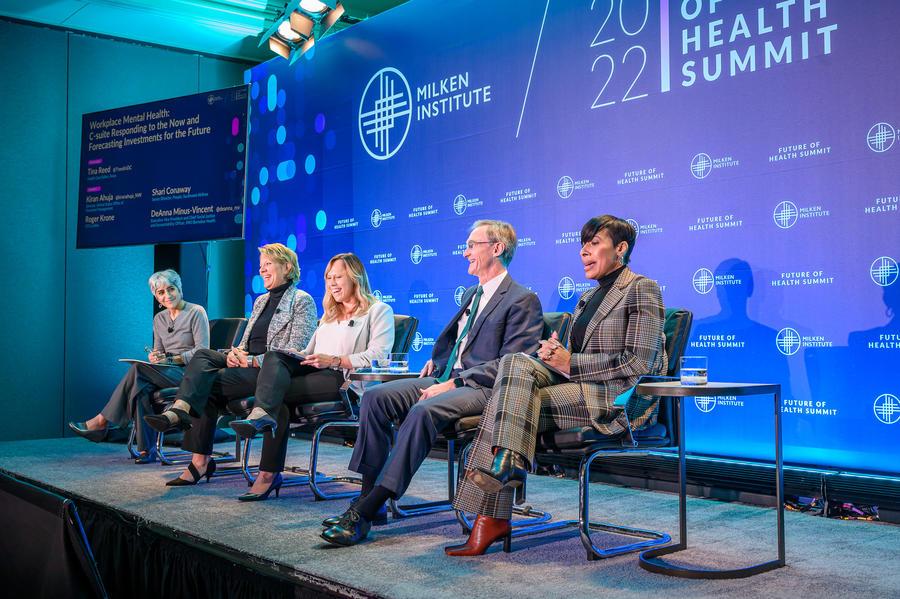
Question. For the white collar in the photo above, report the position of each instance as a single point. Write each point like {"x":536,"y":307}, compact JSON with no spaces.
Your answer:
{"x":491,"y":286}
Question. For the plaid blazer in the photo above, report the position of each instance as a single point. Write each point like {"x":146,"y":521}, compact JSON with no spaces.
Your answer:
{"x":623,"y":341}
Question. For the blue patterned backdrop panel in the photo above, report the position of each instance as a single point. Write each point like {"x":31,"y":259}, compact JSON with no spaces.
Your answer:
{"x":752,"y":145}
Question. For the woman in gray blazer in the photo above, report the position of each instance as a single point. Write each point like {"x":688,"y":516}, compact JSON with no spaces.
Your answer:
{"x":355,"y":330}
{"x":283,"y":318}
{"x":179,"y":330}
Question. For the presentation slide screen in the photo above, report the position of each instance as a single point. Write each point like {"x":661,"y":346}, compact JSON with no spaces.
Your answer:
{"x":164,"y":172}
{"x":753,"y":146}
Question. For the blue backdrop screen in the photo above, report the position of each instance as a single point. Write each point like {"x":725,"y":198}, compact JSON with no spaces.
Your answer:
{"x":164,"y":171}
{"x":752,"y":145}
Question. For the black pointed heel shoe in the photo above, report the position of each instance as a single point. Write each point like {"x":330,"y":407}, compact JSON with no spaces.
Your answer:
{"x":507,"y":470}
{"x":351,"y":530}
{"x":195,"y":474}
{"x":249,"y":427}
{"x":277,"y":481}
{"x":95,"y":435}
{"x":162,"y":423}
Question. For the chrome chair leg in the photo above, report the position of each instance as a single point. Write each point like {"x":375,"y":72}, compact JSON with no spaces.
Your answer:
{"x":303,"y":477}
{"x":180,"y":456}
{"x":431,"y":507}
{"x":131,"y":443}
{"x":315,"y":481}
{"x":585,"y":526}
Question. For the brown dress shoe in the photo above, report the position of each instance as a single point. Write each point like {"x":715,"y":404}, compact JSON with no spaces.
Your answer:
{"x":485,"y":531}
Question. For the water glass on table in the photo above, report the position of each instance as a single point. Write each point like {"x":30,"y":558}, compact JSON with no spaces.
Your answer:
{"x":693,"y":371}
{"x":381,"y":364}
{"x":399,"y":363}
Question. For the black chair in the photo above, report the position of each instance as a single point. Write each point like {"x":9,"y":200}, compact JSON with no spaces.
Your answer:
{"x":223,"y":332}
{"x":317,"y":417}
{"x":588,"y":444}
{"x":463,"y":431}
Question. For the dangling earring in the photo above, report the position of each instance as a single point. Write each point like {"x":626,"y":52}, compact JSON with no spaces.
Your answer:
{"x":160,"y":306}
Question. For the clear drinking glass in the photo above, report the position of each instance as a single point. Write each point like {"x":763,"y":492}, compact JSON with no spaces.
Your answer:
{"x":399,"y":363}
{"x":381,"y":364}
{"x":693,"y":370}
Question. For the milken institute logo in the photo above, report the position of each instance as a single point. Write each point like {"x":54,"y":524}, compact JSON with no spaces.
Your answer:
{"x":385,"y":113}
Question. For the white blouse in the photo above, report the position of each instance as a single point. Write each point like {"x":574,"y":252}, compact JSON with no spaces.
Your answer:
{"x":336,"y":338}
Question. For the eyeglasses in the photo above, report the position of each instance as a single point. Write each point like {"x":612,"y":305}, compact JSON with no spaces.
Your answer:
{"x":471,"y":244}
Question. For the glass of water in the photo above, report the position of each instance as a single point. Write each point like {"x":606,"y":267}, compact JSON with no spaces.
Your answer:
{"x":399,"y":363}
{"x":693,"y":370}
{"x":381,"y":364}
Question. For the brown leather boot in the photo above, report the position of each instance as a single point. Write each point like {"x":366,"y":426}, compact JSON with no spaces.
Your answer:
{"x":485,"y":531}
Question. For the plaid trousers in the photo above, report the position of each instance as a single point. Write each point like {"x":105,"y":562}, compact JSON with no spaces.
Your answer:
{"x":527,"y":400}
{"x":623,"y":340}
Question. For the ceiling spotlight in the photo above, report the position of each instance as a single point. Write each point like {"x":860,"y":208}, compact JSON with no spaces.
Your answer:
{"x":313,"y":6}
{"x":286,"y":31}
{"x":295,"y":32}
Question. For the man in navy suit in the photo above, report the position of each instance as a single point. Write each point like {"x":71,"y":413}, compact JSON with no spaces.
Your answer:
{"x":497,"y":317}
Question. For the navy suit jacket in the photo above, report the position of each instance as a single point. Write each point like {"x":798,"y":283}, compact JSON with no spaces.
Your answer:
{"x":511,"y":322}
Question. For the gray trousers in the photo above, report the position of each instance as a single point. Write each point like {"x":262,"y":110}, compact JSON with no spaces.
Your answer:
{"x":131,"y":398}
{"x":419,"y":424}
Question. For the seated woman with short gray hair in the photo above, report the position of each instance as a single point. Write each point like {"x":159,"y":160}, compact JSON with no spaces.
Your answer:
{"x":179,"y":330}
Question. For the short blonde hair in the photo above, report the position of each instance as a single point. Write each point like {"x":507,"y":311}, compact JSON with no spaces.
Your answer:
{"x":164,"y":277}
{"x":502,"y":231}
{"x":363,"y":292}
{"x":283,"y":255}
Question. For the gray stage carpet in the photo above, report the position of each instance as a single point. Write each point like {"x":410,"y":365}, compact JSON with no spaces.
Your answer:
{"x":404,"y":559}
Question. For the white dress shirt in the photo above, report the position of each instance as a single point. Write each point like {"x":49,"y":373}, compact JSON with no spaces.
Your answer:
{"x":488,"y":290}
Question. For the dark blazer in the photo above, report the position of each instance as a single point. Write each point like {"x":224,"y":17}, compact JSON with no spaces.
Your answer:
{"x":511,"y":322}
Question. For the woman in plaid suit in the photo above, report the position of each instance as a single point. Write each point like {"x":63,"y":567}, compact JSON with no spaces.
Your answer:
{"x":616,"y":337}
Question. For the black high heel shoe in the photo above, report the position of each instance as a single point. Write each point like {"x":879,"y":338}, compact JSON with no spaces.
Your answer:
{"x":277,"y":481}
{"x":162,"y":423}
{"x":180,"y":482}
{"x":507,"y":470}
{"x":247,"y":428}
{"x":96,"y":435}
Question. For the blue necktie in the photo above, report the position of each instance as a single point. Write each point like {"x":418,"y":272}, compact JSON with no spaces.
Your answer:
{"x":462,"y":335}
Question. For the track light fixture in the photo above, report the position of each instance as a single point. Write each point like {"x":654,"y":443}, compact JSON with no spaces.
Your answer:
{"x":301,"y":23}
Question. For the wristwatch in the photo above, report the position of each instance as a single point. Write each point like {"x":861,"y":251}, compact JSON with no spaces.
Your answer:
{"x":336,"y":363}
{"x":458,"y":382}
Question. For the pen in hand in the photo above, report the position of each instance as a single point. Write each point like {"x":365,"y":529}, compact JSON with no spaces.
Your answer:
{"x":155,"y":356}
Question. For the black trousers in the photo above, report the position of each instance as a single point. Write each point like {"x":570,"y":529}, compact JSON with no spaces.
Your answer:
{"x":284,"y":382}
{"x":208,"y":385}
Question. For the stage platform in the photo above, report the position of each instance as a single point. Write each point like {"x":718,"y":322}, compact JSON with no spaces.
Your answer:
{"x":277,"y":541}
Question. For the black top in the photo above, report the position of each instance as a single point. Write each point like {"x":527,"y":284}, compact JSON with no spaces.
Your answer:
{"x":604,"y":284}
{"x":258,"y":340}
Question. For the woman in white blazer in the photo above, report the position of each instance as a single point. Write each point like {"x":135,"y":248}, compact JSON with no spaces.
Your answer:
{"x":356,"y":329}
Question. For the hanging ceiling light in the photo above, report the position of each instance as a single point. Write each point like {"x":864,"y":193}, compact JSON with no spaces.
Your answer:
{"x":313,"y":6}
{"x":295,"y":32}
